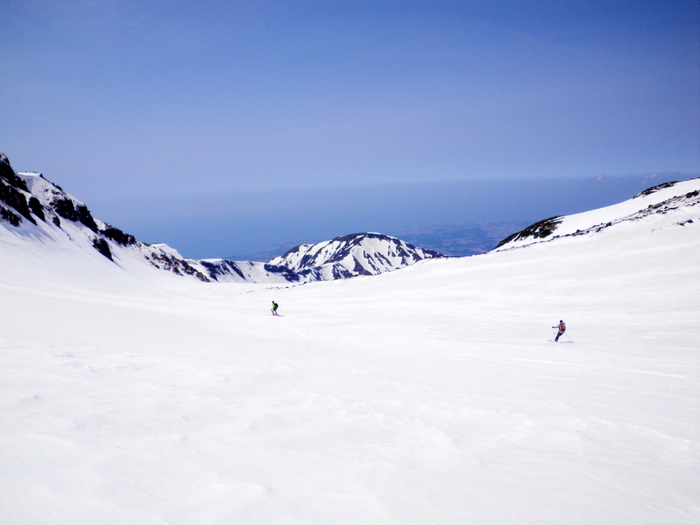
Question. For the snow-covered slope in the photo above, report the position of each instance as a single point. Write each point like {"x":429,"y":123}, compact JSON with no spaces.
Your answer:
{"x":36,"y":211}
{"x":227,"y":271}
{"x":664,"y":205}
{"x":424,"y":396}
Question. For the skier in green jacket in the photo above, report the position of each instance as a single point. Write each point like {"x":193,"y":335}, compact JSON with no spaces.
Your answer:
{"x":274,"y":308}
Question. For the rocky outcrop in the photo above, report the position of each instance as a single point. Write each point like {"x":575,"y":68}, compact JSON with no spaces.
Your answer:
{"x":30,"y":196}
{"x":539,"y":230}
{"x":16,"y":202}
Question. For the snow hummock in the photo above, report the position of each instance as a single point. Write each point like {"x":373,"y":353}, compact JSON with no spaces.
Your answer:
{"x":421,"y":396}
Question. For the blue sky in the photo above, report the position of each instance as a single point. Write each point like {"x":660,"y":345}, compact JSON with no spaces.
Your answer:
{"x":148,"y":110}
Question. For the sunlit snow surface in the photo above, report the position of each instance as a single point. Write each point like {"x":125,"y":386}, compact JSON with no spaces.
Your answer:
{"x":422,"y":396}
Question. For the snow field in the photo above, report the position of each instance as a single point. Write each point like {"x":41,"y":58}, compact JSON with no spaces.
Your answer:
{"x":427,"y":395}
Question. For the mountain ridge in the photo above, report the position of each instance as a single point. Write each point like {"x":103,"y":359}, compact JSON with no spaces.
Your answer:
{"x":50,"y":212}
{"x":30,"y":196}
{"x":663,"y":199}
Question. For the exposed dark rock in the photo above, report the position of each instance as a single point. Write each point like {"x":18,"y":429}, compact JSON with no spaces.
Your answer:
{"x":14,"y":198}
{"x":654,"y":189}
{"x":67,"y":209}
{"x":177,"y":266}
{"x":12,"y":218}
{"x":102,"y":246}
{"x":8,"y":174}
{"x":221,"y":268}
{"x":12,"y":192}
{"x":359,"y":269}
{"x":339,"y":272}
{"x":539,"y":230}
{"x":37,"y":208}
{"x":118,"y":236}
{"x":282,"y":270}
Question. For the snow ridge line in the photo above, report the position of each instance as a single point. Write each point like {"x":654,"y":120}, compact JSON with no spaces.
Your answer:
{"x":661,"y":208}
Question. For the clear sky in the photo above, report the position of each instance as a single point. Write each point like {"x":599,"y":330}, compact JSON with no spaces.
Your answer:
{"x":171,"y":100}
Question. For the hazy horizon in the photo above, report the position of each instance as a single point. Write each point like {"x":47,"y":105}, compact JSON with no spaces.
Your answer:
{"x":235,"y":225}
{"x":249,"y":108}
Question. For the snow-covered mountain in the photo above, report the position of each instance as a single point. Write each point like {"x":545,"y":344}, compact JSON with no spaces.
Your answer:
{"x":669,"y":204}
{"x":340,"y":258}
{"x":422,"y":396}
{"x":37,"y":208}
{"x":351,"y":255}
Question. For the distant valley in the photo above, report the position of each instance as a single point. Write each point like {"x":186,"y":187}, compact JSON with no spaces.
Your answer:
{"x":453,"y":240}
